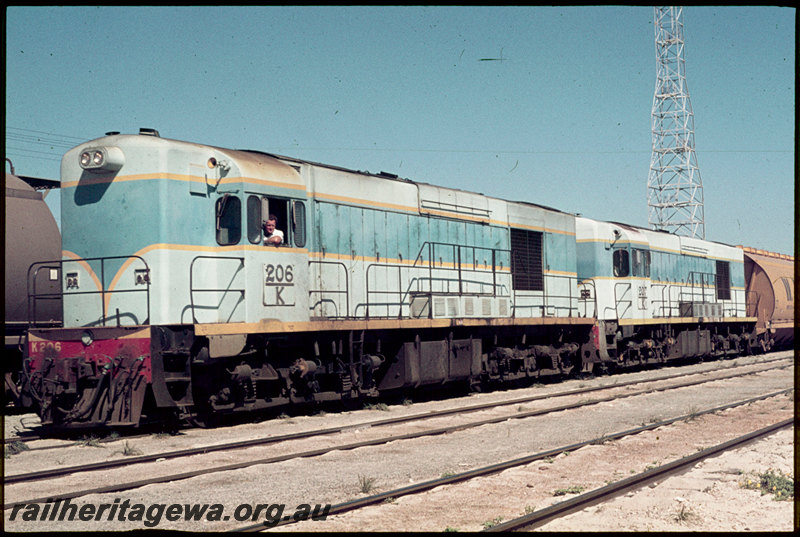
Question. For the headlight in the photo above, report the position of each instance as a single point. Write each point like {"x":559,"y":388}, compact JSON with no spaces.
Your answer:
{"x":102,"y":159}
{"x":87,"y":338}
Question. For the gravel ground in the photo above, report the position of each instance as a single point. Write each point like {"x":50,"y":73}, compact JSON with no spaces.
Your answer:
{"x":710,"y":497}
{"x":340,"y":475}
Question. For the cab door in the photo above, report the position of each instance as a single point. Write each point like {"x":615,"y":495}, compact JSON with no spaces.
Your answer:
{"x":632,"y":287}
{"x":623,"y":291}
{"x":640,"y":270}
{"x":217,"y":274}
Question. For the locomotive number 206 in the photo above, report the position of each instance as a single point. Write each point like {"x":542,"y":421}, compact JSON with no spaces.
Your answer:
{"x":278,"y":285}
{"x":278,"y":274}
{"x":39,"y":346}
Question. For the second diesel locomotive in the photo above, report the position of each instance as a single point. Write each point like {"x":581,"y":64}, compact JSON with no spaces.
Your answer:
{"x":661,"y":296}
{"x":174,"y":305}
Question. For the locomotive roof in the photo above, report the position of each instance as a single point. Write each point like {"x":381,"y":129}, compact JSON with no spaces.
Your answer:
{"x":631,"y":227}
{"x":395,"y":177}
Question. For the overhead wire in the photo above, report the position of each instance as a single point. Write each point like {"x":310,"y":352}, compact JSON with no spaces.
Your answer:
{"x":37,"y":144}
{"x":56,"y":140}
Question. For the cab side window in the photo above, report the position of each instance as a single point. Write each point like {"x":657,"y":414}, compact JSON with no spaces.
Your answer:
{"x":641,"y":263}
{"x":254,"y":226}
{"x":290,"y":214}
{"x":299,"y":223}
{"x":621,"y":264}
{"x":229,"y":220}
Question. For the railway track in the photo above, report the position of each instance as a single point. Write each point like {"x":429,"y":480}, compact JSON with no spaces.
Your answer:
{"x":543,"y":516}
{"x":229,"y":446}
{"x":563,"y":508}
{"x":381,"y":440}
{"x":73,"y":436}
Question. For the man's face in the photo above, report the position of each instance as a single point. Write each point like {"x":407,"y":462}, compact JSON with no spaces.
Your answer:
{"x":270,"y":226}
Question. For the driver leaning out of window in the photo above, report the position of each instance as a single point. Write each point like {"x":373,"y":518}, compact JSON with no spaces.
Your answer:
{"x":272,"y":235}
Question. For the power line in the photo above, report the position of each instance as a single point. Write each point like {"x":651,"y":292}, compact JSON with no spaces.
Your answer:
{"x":37,"y":144}
{"x":30,"y":151}
{"x":44,"y":132}
{"x":29,"y":136}
{"x":516,"y":152}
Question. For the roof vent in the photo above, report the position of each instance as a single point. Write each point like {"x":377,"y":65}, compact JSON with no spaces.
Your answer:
{"x":148,"y":132}
{"x":112,"y":133}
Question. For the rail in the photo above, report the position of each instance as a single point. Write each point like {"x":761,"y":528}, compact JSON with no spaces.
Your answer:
{"x":224,"y":291}
{"x":445,"y":269}
{"x":662,"y":307}
{"x":702,"y":285}
{"x":142,"y":277}
{"x":34,"y":296}
{"x":457,"y":260}
{"x":753,"y":304}
{"x":699,"y":290}
{"x":542,"y":516}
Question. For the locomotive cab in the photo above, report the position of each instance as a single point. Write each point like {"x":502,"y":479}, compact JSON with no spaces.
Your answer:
{"x":161,"y":236}
{"x":194,"y":244}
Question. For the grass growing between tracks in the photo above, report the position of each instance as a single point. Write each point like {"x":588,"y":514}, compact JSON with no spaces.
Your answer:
{"x":685,"y":515}
{"x":366,"y":484}
{"x":575,"y":489}
{"x":774,"y":482}
{"x":14,"y":448}
{"x":129,"y":451}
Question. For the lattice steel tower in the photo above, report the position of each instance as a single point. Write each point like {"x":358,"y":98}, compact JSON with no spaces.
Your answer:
{"x":674,"y":189}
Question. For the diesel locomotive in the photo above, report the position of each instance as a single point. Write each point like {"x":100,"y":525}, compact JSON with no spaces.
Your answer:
{"x":174,"y":305}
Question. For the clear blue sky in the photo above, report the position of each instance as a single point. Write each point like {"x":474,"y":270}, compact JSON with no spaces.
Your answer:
{"x":563,"y":120}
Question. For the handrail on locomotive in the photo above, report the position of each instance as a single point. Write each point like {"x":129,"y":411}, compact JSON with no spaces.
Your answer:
{"x":458,"y":285}
{"x":34,"y":296}
{"x":425,"y":286}
{"x":322,"y":300}
{"x":192,"y":290}
{"x":700,"y":285}
{"x":673,"y":296}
